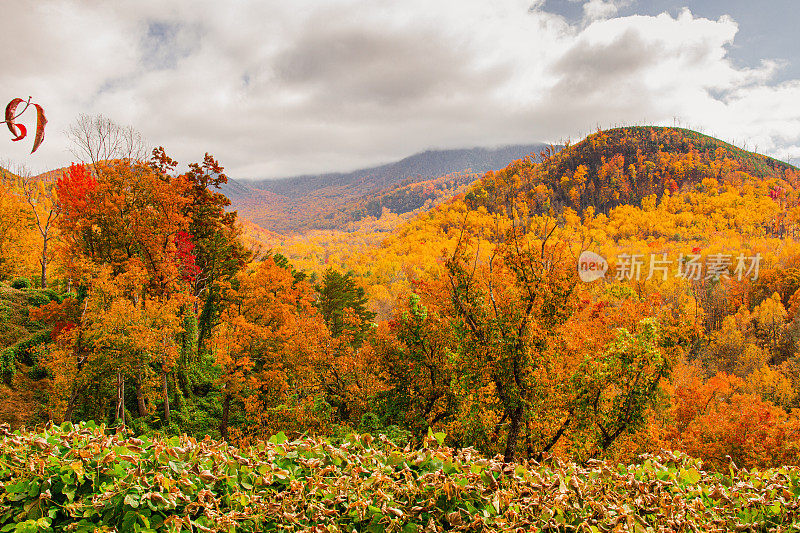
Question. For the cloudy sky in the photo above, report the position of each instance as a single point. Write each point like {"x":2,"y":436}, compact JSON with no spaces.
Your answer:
{"x":288,"y":87}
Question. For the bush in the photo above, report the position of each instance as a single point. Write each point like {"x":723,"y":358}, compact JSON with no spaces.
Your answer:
{"x":197,"y":416}
{"x":52,"y":294}
{"x":21,"y":283}
{"x":38,"y":372}
{"x":39,"y":297}
{"x":88,"y":480}
{"x":8,"y":365}
{"x":22,"y":351}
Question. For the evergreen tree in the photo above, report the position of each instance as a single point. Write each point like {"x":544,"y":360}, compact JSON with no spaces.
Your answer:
{"x":338,"y":293}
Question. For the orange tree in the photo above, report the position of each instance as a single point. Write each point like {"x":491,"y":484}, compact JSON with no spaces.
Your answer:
{"x":44,"y":209}
{"x":14,"y":226}
{"x":122,"y":337}
{"x":718,"y":420}
{"x":126,"y":212}
{"x":120,"y":224}
{"x":212,"y":235}
{"x":264,"y":344}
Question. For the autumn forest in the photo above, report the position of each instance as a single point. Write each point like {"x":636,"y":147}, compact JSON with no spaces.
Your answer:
{"x":134,"y":301}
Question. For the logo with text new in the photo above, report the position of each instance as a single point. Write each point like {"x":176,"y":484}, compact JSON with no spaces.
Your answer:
{"x":591,"y":266}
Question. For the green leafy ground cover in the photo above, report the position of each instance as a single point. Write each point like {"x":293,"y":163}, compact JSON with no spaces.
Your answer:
{"x":81,"y":478}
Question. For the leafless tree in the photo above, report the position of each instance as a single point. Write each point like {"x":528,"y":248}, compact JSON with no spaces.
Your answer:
{"x":97,"y":138}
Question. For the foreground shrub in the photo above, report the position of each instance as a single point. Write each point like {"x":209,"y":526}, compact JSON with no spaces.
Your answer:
{"x":81,"y":479}
{"x":21,"y":283}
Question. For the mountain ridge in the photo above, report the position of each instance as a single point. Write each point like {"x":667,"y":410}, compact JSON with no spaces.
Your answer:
{"x":429,"y":163}
{"x":330,"y":200}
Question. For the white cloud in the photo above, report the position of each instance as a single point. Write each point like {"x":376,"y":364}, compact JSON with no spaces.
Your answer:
{"x":600,"y":9}
{"x":278,"y":88}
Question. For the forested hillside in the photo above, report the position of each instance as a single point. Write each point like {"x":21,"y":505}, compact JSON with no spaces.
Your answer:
{"x":337,"y":200}
{"x":624,"y":166}
{"x":144,"y":304}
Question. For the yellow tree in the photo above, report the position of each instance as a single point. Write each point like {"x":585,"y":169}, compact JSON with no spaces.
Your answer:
{"x":14,"y":221}
{"x":118,"y":333}
{"x":770,"y":321}
{"x":44,"y":207}
{"x":131,"y":333}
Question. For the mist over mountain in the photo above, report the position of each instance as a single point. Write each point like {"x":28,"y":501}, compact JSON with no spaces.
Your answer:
{"x":331,"y":199}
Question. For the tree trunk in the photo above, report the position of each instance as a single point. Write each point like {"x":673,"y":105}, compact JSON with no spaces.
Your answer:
{"x":205,"y":318}
{"x":182,"y":382}
{"x":120,"y":411}
{"x":73,"y":398}
{"x":44,"y":263}
{"x":558,"y":434}
{"x":179,"y":388}
{"x":513,"y":434}
{"x":166,"y":397}
{"x":528,"y":443}
{"x":226,"y":410}
{"x":140,"y":403}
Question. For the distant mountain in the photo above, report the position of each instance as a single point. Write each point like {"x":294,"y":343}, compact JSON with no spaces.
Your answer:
{"x":623,"y":166}
{"x":51,"y":175}
{"x":325,"y":201}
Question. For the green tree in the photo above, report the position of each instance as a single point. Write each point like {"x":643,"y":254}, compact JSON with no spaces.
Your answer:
{"x":419,"y":369}
{"x":617,"y":385}
{"x":507,"y":316}
{"x":338,"y":292}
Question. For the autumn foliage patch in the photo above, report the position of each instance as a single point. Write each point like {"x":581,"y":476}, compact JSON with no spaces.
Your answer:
{"x":81,"y":478}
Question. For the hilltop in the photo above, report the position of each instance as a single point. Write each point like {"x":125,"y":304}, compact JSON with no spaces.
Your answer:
{"x":7,"y":175}
{"x":609,"y":173}
{"x":622,"y":166}
{"x":47,"y":176}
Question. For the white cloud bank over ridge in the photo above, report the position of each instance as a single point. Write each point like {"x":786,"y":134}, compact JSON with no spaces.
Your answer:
{"x":282,"y":88}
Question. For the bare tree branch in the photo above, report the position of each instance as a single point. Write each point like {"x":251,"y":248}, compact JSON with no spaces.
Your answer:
{"x":97,"y":138}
